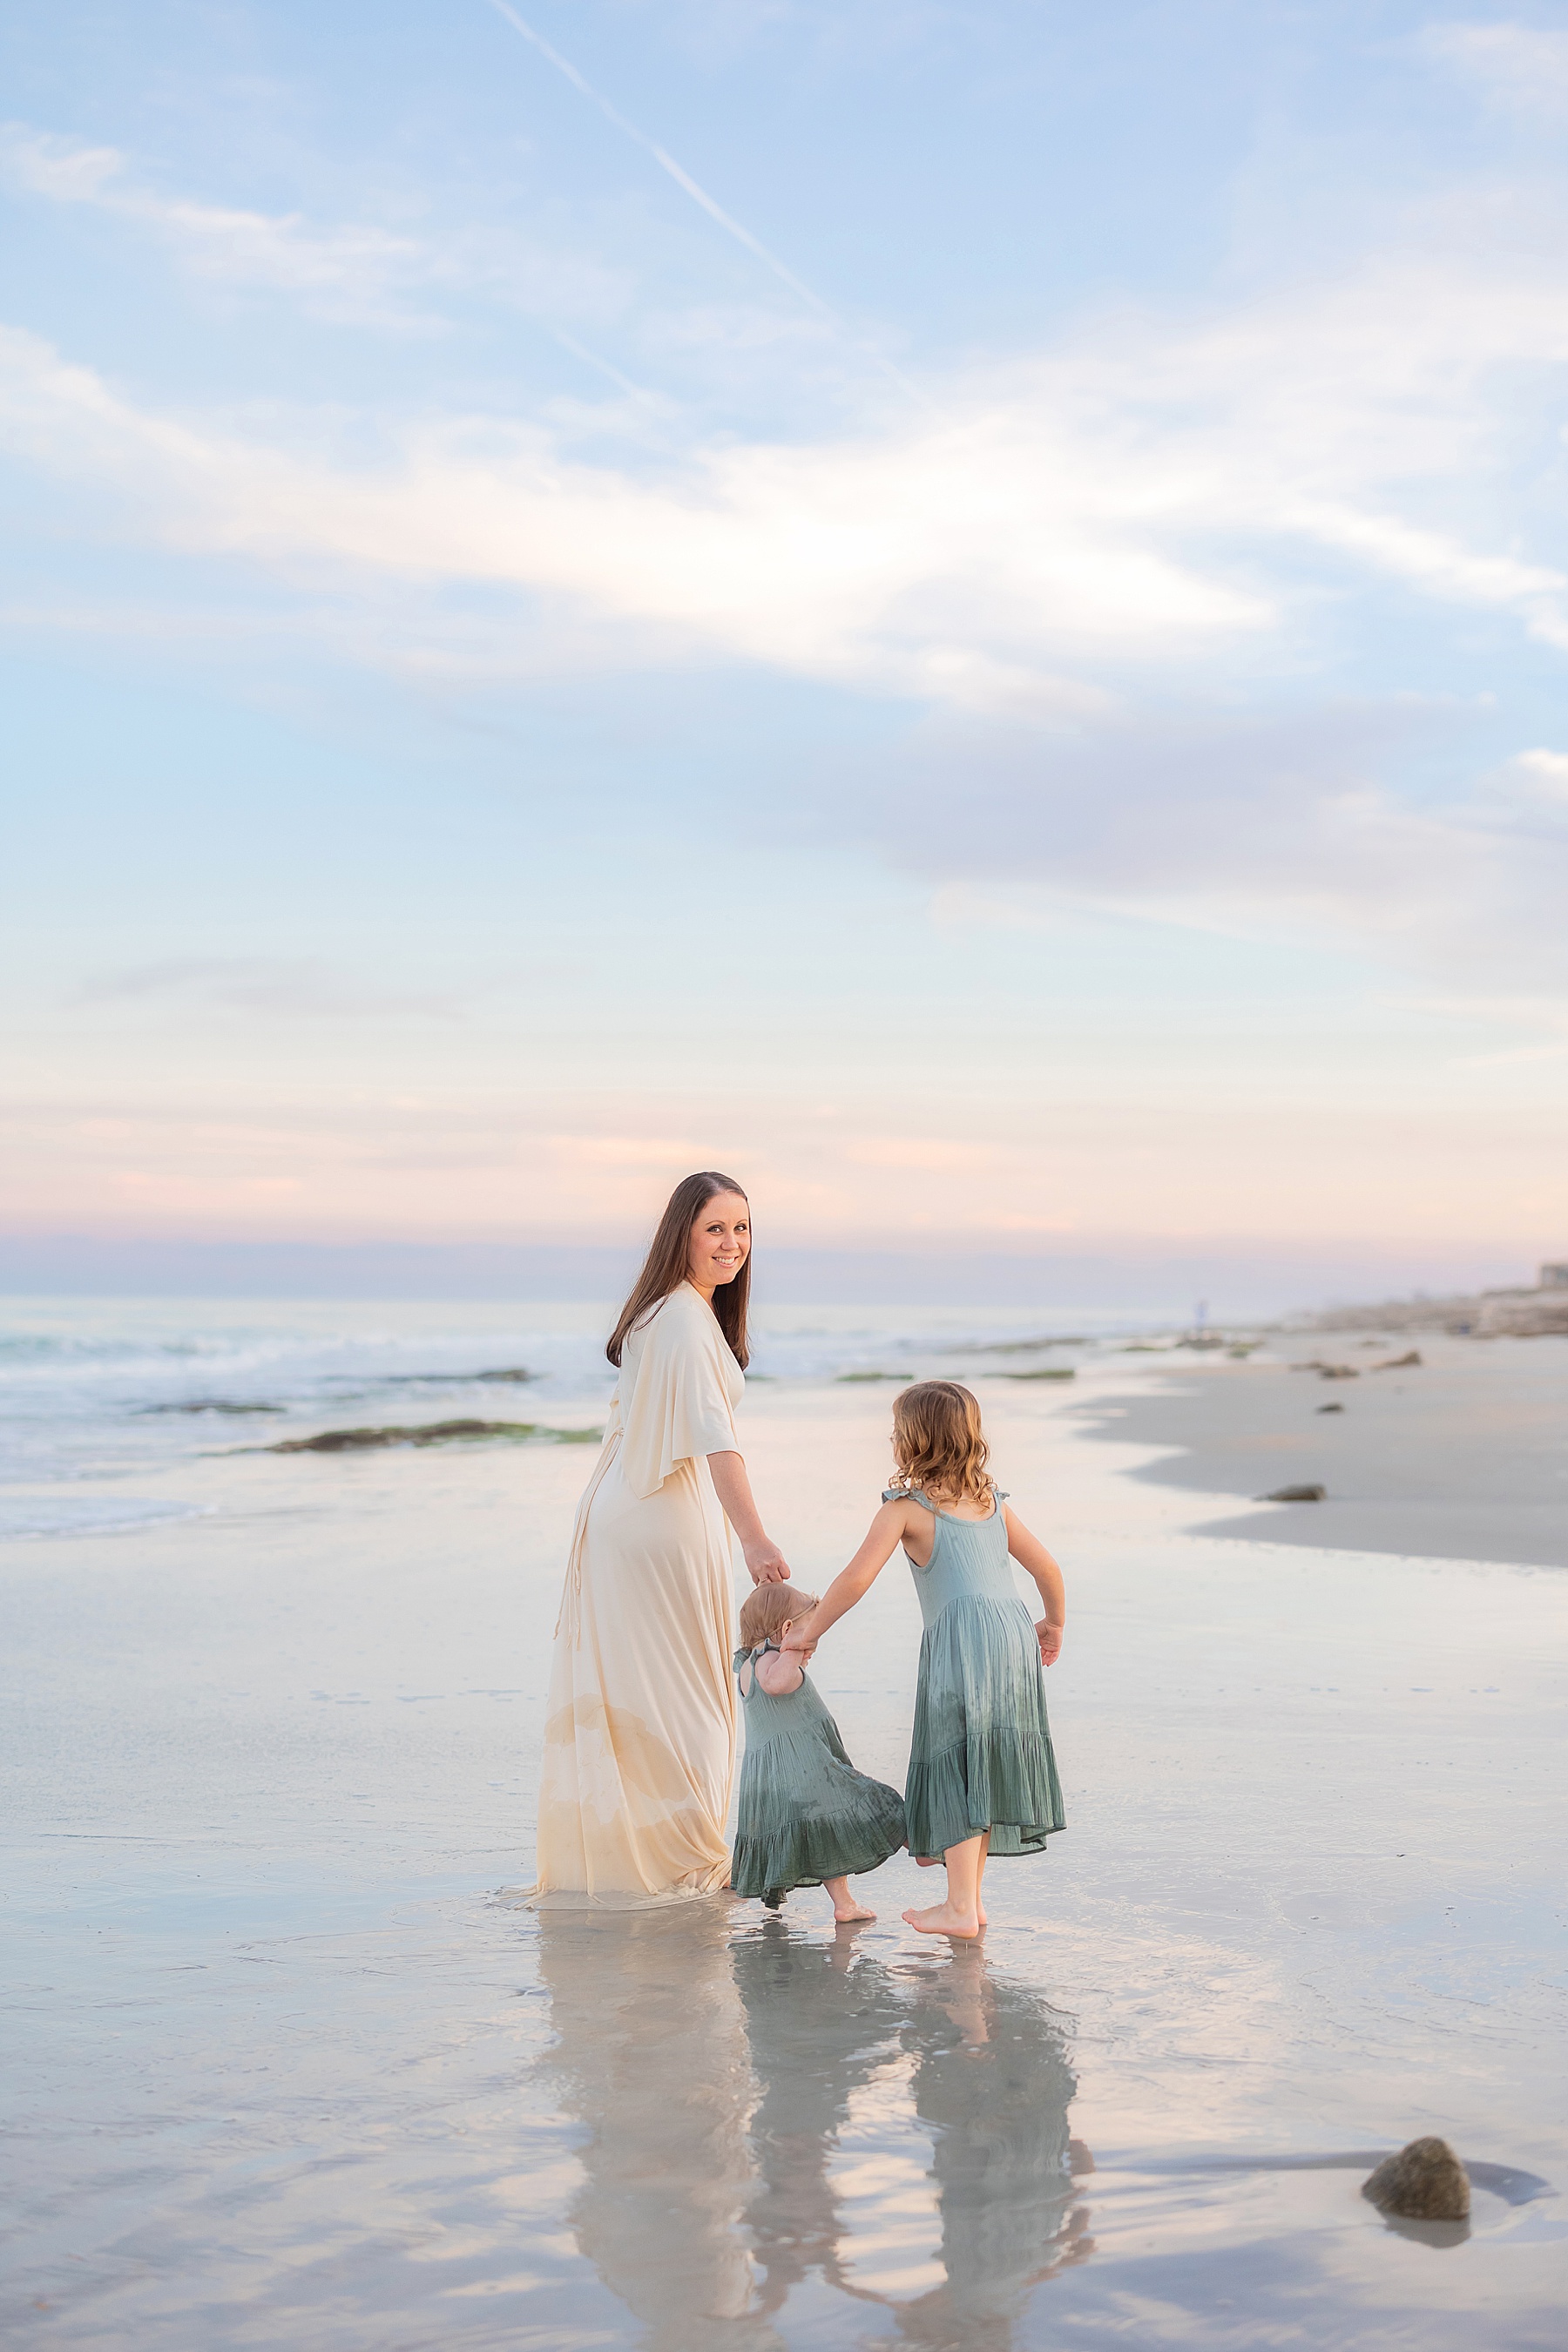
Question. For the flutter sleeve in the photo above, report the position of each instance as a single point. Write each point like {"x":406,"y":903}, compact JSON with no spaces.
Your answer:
{"x":679,"y":1403}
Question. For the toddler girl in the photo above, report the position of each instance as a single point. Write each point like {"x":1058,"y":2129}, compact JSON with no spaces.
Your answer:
{"x":982,"y":1778}
{"x":807,"y":1817}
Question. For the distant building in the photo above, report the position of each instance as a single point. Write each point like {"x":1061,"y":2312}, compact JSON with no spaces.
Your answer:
{"x":1555,"y":1277}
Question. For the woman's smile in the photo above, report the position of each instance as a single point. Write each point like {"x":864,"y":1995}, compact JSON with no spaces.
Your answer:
{"x":720,"y":1242}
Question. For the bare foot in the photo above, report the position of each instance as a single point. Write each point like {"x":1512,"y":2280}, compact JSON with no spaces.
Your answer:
{"x":942,"y":1919}
{"x":929,"y":1862}
{"x":843,"y":1913}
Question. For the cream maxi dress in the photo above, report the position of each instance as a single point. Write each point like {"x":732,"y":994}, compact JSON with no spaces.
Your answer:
{"x":640,"y":1729}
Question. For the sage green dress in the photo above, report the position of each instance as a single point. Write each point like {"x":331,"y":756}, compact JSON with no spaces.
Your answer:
{"x":981,"y":1756}
{"x":806,"y":1814}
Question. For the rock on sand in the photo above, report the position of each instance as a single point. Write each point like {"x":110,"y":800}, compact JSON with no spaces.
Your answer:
{"x":1424,"y":2182}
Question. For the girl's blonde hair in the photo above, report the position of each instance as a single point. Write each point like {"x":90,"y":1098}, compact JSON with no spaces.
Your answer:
{"x":938,"y":1442}
{"x":766,"y":1609}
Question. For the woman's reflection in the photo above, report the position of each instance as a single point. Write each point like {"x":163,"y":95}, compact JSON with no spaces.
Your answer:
{"x":651,"y":2057}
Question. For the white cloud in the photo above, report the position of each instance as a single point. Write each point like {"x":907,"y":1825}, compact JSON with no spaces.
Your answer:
{"x":1522,"y":65}
{"x":946,"y":562}
{"x":1146,"y":493}
{"x":1533,"y":787}
{"x":354,"y":273}
{"x":1131,"y":497}
{"x":354,"y":270}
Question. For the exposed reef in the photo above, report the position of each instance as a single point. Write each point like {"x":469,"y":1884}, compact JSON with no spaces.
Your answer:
{"x":210,"y":1404}
{"x":433,"y":1432}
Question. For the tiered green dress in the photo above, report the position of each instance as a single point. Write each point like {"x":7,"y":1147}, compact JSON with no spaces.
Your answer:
{"x":806,"y":1814}
{"x":981,"y":1756}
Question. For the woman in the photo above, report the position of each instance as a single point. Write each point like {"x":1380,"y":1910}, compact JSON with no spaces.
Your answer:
{"x":639,"y":1732}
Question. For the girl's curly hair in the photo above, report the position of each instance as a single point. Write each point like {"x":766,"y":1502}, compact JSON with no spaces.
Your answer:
{"x":938,"y":1442}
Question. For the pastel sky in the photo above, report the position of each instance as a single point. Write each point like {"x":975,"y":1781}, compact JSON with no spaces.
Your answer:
{"x":963,"y":609}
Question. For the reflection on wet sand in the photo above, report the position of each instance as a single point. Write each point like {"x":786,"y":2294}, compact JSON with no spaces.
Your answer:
{"x":651,"y":2058}
{"x":720,"y":2068}
{"x":822,"y":2021}
{"x":993,"y":2083}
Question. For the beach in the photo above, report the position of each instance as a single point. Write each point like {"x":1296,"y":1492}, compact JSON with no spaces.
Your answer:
{"x":292,"y":2068}
{"x":1461,"y":1454}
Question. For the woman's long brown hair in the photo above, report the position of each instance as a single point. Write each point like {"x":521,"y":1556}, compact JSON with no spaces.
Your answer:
{"x":664,"y":1267}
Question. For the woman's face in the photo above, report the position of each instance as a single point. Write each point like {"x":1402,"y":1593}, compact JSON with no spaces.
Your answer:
{"x":721,"y":1241}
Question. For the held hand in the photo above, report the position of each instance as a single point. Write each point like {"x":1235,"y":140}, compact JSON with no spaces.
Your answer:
{"x":766,"y":1562}
{"x":798,"y":1645}
{"x":1050,"y":1643}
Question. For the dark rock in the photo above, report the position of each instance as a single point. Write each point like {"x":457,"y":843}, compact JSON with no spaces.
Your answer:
{"x":1330,"y":1408}
{"x":430,"y":1433}
{"x":1329,"y":1371}
{"x":1424,"y":2182}
{"x":1398,"y":1363}
{"x":1281,"y":1493}
{"x":1047,"y":1373}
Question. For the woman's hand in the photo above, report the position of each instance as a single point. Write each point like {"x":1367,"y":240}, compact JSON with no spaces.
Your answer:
{"x":1050,"y":1642}
{"x":766,"y":1562}
{"x":763,"y":1559}
{"x":798,"y":1644}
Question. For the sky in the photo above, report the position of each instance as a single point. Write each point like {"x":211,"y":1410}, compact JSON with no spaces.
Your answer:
{"x":960,"y":610}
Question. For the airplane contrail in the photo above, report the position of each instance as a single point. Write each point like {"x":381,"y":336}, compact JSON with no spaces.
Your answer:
{"x":661,"y":156}
{"x":684,"y":181}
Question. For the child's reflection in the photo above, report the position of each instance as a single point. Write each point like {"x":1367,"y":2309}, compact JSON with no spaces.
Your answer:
{"x":993,"y":2083}
{"x":821,"y":2018}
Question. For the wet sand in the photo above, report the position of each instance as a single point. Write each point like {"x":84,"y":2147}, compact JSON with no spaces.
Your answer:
{"x":286,"y":2073}
{"x":1462,"y":1457}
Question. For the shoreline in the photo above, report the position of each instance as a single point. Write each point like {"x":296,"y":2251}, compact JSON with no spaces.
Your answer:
{"x":1461,"y":1457}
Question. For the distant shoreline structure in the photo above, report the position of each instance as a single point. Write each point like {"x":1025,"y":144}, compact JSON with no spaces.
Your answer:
{"x":1487,"y":1315}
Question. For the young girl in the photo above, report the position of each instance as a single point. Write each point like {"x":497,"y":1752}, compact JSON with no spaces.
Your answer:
{"x":807,"y":1817}
{"x":983,"y":1778}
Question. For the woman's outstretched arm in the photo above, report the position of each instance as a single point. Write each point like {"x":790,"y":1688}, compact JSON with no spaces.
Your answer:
{"x":763,"y":1557}
{"x":1036,"y":1561}
{"x":853,"y":1582}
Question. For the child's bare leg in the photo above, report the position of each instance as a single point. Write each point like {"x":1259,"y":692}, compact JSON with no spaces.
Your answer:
{"x":844,"y":1904}
{"x":960,"y":1915}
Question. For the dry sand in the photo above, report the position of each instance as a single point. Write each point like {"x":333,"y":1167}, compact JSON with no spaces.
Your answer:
{"x":1463,"y":1457}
